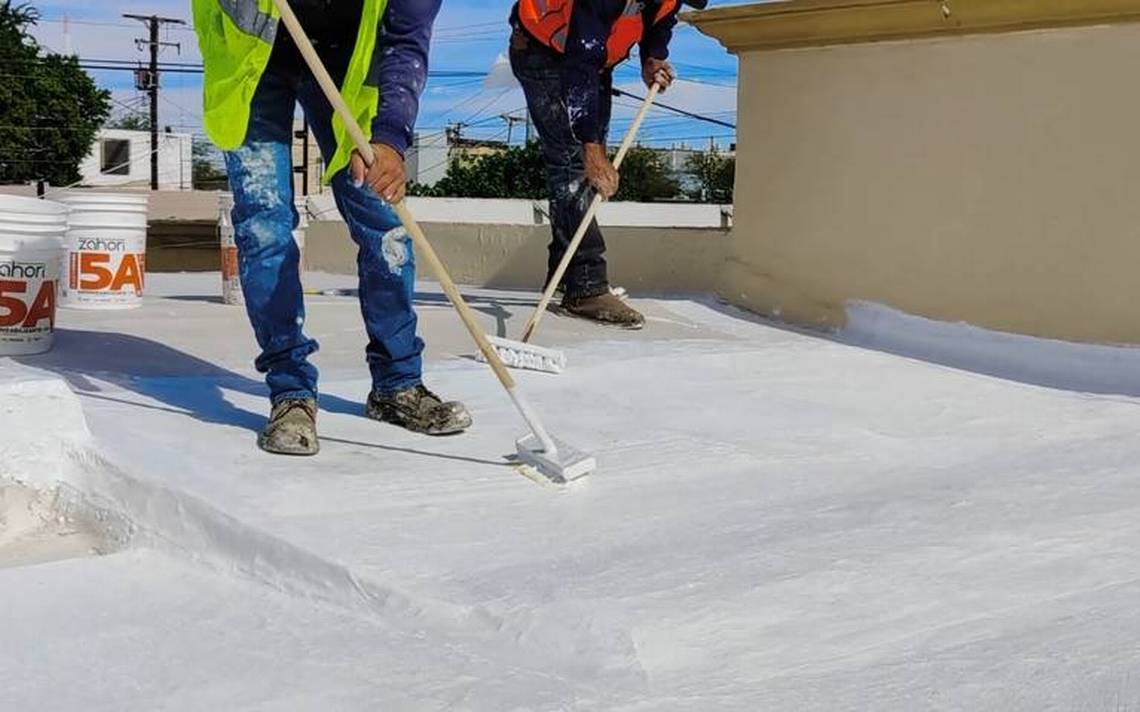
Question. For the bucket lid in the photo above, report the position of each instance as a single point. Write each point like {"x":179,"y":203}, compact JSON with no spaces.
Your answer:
{"x":21,"y":209}
{"x":110,"y":202}
{"x":31,"y":224}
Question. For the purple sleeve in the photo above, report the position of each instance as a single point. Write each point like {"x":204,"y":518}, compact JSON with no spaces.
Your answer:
{"x":402,"y":49}
{"x":655,"y":40}
{"x":584,"y":60}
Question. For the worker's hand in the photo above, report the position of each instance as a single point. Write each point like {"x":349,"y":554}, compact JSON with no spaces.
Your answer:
{"x":599,"y":171}
{"x":657,"y":71}
{"x":386,"y":175}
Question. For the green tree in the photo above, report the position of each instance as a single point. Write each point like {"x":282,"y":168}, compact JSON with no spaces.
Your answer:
{"x":516,"y":172}
{"x":715,"y":174}
{"x":645,"y":177}
{"x":207,"y":173}
{"x":50,"y":109}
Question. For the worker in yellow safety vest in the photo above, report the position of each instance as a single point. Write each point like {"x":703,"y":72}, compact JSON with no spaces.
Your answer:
{"x":377,"y":50}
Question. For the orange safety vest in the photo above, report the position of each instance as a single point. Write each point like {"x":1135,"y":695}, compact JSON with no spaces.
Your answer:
{"x":548,"y":21}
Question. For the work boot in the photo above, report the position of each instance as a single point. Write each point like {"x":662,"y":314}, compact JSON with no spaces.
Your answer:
{"x":605,"y":308}
{"x":292,"y":428}
{"x":418,"y":410}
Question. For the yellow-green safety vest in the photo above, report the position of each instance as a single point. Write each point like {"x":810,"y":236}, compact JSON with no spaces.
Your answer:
{"x":236,"y":38}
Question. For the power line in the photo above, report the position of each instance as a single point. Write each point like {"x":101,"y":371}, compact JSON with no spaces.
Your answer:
{"x":693,"y":137}
{"x":178,"y":106}
{"x":101,"y":23}
{"x":464,"y":28}
{"x":667,"y":107}
{"x":187,"y":28}
{"x":486,"y":106}
{"x":458,"y":40}
{"x":497,"y":32}
{"x":197,"y":68}
{"x":100,"y":60}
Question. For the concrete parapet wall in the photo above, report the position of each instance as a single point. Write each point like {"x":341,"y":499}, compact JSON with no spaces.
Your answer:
{"x":677,"y":260}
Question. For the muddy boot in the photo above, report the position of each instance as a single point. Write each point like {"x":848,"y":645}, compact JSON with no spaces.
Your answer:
{"x":292,"y":428}
{"x":604,"y":308}
{"x":419,"y":410}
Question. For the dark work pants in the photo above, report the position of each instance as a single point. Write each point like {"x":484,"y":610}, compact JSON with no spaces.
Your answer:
{"x":538,"y":70}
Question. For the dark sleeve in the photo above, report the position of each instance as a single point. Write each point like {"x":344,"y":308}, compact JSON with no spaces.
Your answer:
{"x":655,"y":40}
{"x":402,"y":48}
{"x":584,"y":60}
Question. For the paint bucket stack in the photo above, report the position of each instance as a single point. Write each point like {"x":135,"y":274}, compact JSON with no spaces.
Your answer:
{"x":231,"y":272}
{"x":31,"y":249}
{"x":105,"y":267}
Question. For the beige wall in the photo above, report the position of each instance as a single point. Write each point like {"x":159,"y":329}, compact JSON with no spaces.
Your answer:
{"x":677,"y":260}
{"x":993,"y":179}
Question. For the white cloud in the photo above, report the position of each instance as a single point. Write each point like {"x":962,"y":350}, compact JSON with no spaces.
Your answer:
{"x":500,"y":75}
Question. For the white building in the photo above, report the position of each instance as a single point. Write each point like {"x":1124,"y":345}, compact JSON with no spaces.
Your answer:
{"x":427,"y":158}
{"x":121,"y":158}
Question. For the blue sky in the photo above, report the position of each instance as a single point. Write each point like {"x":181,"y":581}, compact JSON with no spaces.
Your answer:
{"x":470,"y":36}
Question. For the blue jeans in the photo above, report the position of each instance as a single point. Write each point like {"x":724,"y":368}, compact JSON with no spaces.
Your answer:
{"x":539,"y":71}
{"x":261,"y":178}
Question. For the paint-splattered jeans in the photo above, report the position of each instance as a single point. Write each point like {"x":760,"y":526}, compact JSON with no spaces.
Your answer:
{"x":538,"y":70}
{"x":261,"y":177}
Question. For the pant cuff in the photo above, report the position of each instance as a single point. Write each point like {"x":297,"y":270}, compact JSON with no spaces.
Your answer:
{"x":586,"y":291}
{"x":390,"y":389}
{"x":275,"y":399}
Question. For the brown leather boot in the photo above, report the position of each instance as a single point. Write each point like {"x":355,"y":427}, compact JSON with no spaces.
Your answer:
{"x":605,"y":309}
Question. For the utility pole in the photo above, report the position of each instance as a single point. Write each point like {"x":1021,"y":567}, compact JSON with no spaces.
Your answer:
{"x":67,"y":35}
{"x":148,"y":79}
{"x":511,"y":121}
{"x":454,"y":133}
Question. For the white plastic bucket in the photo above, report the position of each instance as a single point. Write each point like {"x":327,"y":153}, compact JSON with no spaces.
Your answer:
{"x":105,"y":267}
{"x":31,"y":248}
{"x":231,"y":276}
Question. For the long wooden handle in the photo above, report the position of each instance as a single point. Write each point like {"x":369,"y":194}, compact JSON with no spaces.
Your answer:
{"x":595,"y":204}
{"x":332,"y":92}
{"x":452,"y":292}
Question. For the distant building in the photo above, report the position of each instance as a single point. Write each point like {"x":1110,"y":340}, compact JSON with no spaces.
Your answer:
{"x":428,"y":157}
{"x":468,"y":148}
{"x":121,"y":158}
{"x":677,"y":158}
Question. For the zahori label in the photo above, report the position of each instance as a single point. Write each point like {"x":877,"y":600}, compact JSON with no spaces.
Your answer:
{"x":104,"y":271}
{"x":27,"y":300}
